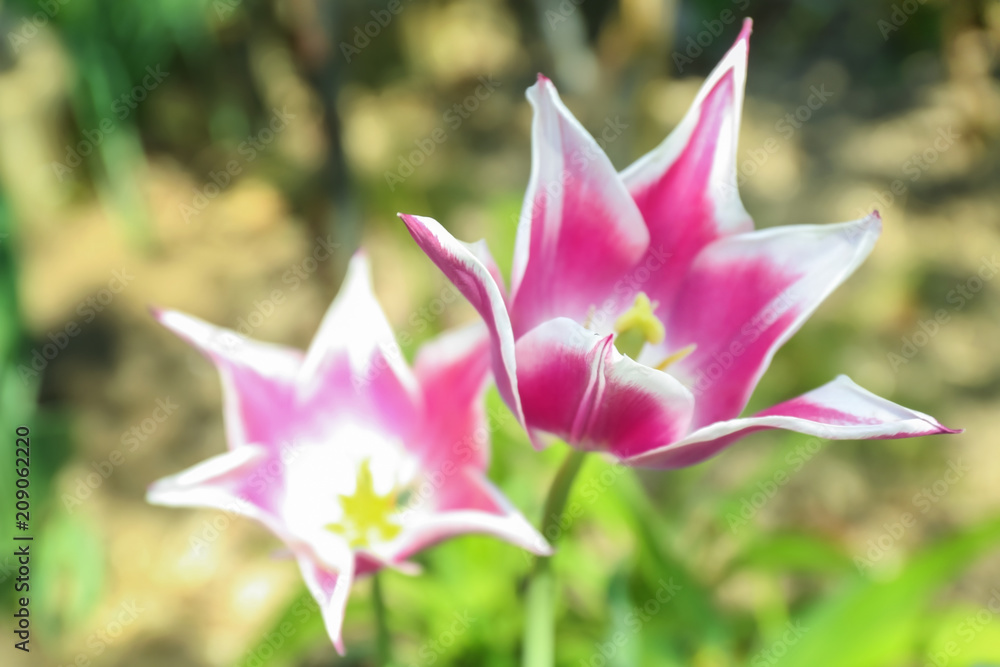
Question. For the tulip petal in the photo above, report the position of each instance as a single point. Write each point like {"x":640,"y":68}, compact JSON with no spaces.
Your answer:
{"x":471,"y":505}
{"x":330,"y":587}
{"x":745,"y":296}
{"x":257,"y":378}
{"x":476,"y":283}
{"x":481,"y":251}
{"x":230,"y":482}
{"x":452,"y":371}
{"x":839,"y":410}
{"x":579,"y":231}
{"x":686,"y":188}
{"x":574,"y":384}
{"x":356,"y":330}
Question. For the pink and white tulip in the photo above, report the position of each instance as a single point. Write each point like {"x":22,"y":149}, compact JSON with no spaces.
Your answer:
{"x":664,"y":257}
{"x":325,"y":447}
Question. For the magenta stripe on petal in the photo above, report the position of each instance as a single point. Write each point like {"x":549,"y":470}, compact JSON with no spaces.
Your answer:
{"x":839,"y":410}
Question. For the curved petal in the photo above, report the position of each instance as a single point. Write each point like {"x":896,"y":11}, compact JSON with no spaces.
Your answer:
{"x":686,"y":187}
{"x":239,"y":481}
{"x":579,"y":231}
{"x":839,"y":410}
{"x":470,"y":504}
{"x":258,"y":379}
{"x":474,"y":280}
{"x":330,"y":587}
{"x":356,"y":330}
{"x":576,"y":385}
{"x":481,"y":251}
{"x":746,"y":295}
{"x":452,"y":371}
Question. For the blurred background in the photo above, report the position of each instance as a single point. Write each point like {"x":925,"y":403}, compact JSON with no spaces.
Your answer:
{"x":225,"y":157}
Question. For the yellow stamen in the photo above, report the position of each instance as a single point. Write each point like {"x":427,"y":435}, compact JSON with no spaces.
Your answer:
{"x":675,"y":357}
{"x":640,"y":317}
{"x":366,"y":512}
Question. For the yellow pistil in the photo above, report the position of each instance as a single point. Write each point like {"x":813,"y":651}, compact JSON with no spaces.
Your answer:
{"x":366,"y":512}
{"x":637,"y":326}
{"x":675,"y":357}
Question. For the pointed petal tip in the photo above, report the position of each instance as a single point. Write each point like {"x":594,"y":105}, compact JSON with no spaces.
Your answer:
{"x":745,"y":30}
{"x":409,"y":219}
{"x":544,"y":549}
{"x":542,"y":85}
{"x":872,"y":222}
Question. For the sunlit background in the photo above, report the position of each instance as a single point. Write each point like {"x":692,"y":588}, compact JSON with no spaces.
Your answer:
{"x":225,"y":157}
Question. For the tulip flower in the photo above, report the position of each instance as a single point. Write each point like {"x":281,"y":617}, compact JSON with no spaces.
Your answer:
{"x":352,"y":459}
{"x":644,"y":307}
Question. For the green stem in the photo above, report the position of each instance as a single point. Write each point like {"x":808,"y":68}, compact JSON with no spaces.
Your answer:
{"x":539,"y":622}
{"x":383,"y":644}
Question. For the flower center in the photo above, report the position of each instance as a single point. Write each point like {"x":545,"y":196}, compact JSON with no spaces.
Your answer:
{"x":368,"y":517}
{"x":637,"y":326}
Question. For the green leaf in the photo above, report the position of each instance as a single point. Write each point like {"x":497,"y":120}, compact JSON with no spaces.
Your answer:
{"x":874,"y":623}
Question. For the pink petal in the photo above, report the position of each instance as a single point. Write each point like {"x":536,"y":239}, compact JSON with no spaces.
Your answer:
{"x":471,"y":505}
{"x":839,"y":410}
{"x":476,"y":283}
{"x":745,"y":296}
{"x":330,"y":587}
{"x":580,"y":231}
{"x":452,"y":371}
{"x":575,"y":384}
{"x":355,"y":339}
{"x":686,"y":187}
{"x":257,"y":378}
{"x":481,"y":251}
{"x":240,"y":481}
